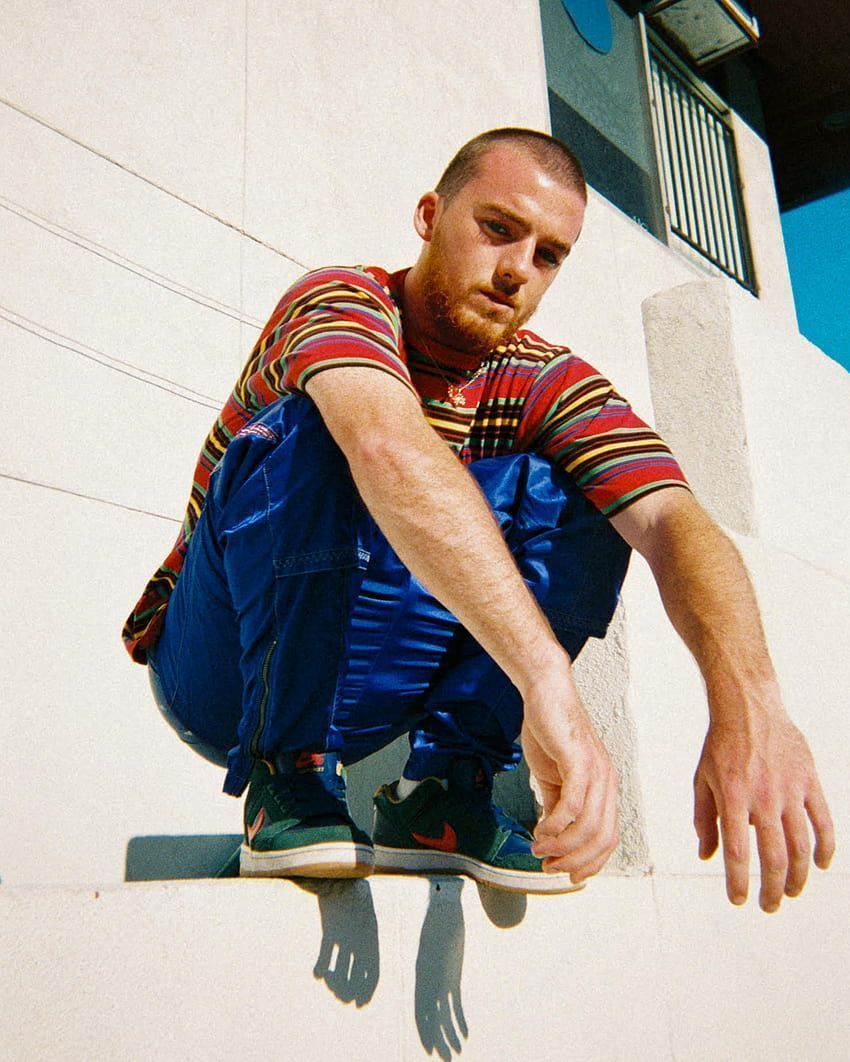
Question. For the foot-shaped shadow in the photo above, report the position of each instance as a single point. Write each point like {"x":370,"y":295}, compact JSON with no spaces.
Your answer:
{"x":349,"y":961}
{"x":439,"y":966}
{"x":504,"y":909}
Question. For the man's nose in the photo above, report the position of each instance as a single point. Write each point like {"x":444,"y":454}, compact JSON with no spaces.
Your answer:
{"x":515,"y":263}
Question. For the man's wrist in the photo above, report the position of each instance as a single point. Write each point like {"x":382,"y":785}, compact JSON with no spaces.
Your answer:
{"x":549,"y":668}
{"x":734,"y":699}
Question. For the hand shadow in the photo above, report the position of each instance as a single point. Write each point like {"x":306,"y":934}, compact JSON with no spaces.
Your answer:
{"x":439,"y":966}
{"x":348,"y":962}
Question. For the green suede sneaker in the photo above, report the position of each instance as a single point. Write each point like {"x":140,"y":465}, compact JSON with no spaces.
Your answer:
{"x":458,"y":831}
{"x":297,"y":822}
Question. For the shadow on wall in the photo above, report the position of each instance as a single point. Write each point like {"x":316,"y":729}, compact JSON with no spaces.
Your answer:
{"x":349,"y":961}
{"x":438,"y":1004}
{"x":171,"y":858}
{"x":349,"y":957}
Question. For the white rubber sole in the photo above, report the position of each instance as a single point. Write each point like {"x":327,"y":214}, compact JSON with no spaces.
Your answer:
{"x":417,"y":860}
{"x":332,"y":859}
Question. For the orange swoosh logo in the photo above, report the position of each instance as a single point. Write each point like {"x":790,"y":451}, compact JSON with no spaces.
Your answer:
{"x":446,"y":843}
{"x":256,"y":825}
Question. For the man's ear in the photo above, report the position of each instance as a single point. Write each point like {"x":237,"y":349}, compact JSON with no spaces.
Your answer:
{"x":425,"y":215}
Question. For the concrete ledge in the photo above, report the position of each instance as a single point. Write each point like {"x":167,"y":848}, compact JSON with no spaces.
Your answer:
{"x":637,"y":968}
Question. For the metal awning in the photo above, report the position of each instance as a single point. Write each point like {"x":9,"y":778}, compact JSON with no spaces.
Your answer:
{"x":705,"y":31}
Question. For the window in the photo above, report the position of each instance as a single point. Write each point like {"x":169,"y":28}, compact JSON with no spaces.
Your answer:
{"x":699,"y":169}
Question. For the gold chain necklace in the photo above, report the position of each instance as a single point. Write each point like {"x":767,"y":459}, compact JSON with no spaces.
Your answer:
{"x":454,"y":391}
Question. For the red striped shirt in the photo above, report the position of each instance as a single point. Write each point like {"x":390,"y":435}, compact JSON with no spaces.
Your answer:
{"x":527,"y":395}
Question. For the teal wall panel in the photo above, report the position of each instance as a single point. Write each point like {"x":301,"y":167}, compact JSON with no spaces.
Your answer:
{"x":599,"y":105}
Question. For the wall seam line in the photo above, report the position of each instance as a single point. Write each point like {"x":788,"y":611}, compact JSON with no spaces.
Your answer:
{"x":668,"y":1015}
{"x":106,"y":361}
{"x":147,"y":180}
{"x":128,"y":264}
{"x":87,"y":497}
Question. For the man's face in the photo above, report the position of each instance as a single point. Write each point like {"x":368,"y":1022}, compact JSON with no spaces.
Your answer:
{"x":493,"y":250}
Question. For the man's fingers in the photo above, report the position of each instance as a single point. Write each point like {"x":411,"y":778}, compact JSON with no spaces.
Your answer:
{"x":766,"y":779}
{"x":583,"y":849}
{"x":799,"y":851}
{"x":818,"y":811}
{"x":705,"y":819}
{"x":586,"y":868}
{"x":575,"y":817}
{"x":773,"y":856}
{"x":734,"y":830}
{"x":549,"y":797}
{"x":571,"y":803}
{"x":562,"y":801}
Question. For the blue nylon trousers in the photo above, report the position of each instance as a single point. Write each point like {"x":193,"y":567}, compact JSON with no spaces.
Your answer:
{"x":295,"y":626}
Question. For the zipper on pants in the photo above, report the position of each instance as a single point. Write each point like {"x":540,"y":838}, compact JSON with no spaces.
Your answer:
{"x":264,"y":700}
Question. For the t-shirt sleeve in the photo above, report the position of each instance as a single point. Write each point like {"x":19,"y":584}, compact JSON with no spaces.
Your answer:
{"x":330,"y":318}
{"x":574,"y":417}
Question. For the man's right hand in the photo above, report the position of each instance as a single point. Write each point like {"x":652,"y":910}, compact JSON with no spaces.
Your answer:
{"x":578,"y":783}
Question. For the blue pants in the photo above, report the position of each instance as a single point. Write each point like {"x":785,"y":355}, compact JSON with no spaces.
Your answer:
{"x":295,"y":626}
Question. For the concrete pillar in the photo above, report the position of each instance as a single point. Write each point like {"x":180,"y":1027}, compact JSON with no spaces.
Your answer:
{"x":697,"y":396}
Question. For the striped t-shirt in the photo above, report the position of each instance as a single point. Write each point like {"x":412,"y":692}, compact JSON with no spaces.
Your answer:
{"x":527,"y":395}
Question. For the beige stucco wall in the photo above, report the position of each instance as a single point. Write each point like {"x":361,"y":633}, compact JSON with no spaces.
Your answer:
{"x":646,"y":969}
{"x":165,"y":173}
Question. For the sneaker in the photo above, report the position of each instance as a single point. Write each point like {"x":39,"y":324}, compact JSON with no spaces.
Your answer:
{"x":297,"y":822}
{"x":458,"y":831}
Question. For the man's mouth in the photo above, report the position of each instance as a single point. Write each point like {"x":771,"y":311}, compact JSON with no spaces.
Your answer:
{"x":499,"y":299}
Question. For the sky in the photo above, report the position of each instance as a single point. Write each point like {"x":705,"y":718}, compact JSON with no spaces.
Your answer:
{"x":817,"y":241}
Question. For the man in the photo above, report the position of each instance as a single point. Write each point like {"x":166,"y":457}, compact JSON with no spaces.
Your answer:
{"x":300,"y":634}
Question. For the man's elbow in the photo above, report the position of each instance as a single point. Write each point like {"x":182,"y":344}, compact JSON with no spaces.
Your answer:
{"x":390,"y":451}
{"x":664,"y":521}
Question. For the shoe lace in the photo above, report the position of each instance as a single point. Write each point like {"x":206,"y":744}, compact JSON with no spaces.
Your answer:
{"x":308,"y":796}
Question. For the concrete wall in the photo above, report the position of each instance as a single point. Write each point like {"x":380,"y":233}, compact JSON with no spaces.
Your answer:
{"x":165,"y":173}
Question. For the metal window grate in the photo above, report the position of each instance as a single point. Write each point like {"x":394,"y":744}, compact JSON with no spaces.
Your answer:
{"x":699,"y":169}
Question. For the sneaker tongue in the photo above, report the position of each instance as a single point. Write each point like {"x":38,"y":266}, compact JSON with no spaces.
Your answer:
{"x":466,"y":772}
{"x":312,"y":772}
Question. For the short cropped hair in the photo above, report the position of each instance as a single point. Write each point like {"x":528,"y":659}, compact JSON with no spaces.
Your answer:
{"x":559,"y":161}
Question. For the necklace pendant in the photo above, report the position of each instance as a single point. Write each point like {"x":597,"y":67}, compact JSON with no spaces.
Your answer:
{"x":456,"y":396}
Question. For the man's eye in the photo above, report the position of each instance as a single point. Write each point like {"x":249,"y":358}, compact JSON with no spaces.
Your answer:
{"x":497,"y":228}
{"x":549,"y":257}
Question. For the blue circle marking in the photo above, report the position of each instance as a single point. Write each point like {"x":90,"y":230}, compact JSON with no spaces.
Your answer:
{"x":592,"y":19}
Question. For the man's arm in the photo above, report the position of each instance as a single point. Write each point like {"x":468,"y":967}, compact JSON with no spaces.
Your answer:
{"x":437,"y":520}
{"x":755,"y":768}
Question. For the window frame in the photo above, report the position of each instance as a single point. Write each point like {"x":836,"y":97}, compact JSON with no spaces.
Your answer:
{"x":715,"y":223}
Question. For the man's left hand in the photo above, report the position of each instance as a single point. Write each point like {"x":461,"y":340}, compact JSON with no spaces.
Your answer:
{"x":761,"y":774}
